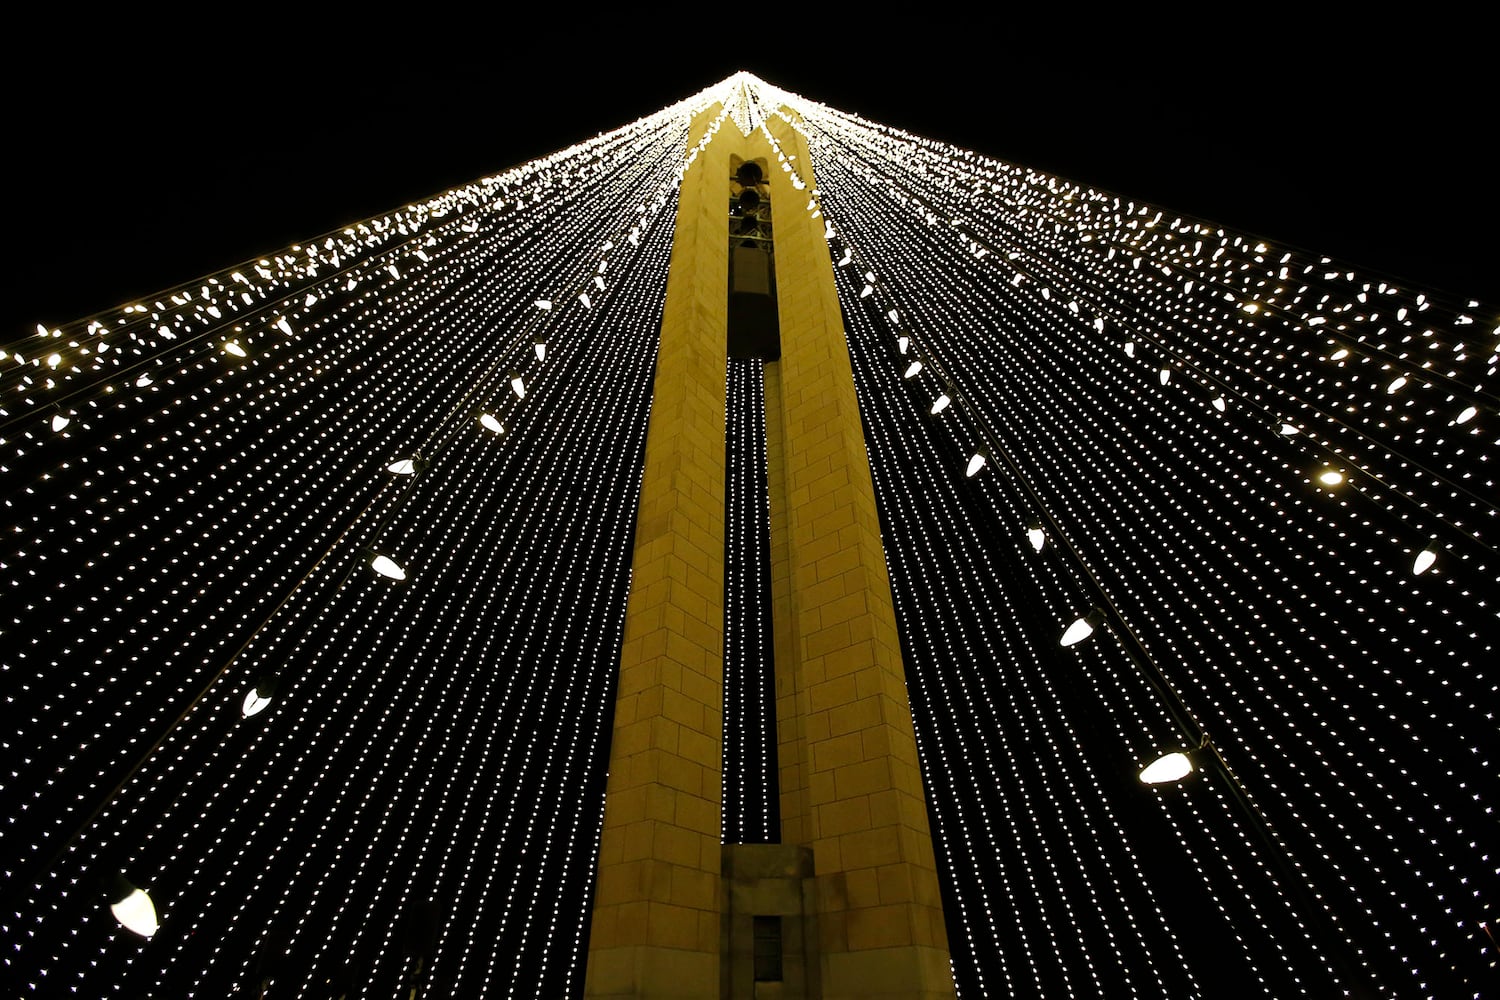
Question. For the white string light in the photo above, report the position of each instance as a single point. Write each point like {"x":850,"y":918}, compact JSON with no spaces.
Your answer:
{"x":445,"y":739}
{"x":1043,"y":337}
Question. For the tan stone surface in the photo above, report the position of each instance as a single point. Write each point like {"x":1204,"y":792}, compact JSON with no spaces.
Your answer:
{"x":655,"y":928}
{"x":851,"y":782}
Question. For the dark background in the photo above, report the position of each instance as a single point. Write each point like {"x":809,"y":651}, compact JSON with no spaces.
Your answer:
{"x":147,"y":151}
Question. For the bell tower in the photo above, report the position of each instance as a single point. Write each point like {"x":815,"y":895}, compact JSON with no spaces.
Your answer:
{"x":846,"y":905}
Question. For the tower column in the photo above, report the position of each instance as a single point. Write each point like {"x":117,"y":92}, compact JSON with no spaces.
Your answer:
{"x":851,"y":784}
{"x":866,"y":913}
{"x":655,"y":927}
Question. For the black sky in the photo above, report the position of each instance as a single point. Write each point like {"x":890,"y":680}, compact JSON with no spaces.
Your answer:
{"x":144,"y":155}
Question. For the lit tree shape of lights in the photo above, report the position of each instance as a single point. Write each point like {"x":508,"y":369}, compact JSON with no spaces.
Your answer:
{"x":226,"y":452}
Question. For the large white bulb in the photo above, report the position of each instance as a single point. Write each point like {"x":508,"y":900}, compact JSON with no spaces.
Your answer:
{"x":254,"y":702}
{"x":1168,"y":767}
{"x":387,"y":567}
{"x":135,"y":911}
{"x":1424,"y":560}
{"x":1075,"y":633}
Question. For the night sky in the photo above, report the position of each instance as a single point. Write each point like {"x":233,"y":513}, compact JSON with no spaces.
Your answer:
{"x":144,"y":155}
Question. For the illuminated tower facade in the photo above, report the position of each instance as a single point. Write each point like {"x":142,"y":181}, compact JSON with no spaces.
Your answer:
{"x":850,"y":906}
{"x":350,"y":595}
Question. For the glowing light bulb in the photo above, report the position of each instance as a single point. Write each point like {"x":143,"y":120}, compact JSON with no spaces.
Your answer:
{"x":1220,"y":404}
{"x":539,"y":345}
{"x":1171,"y":766}
{"x":259,"y":696}
{"x":1395,"y":386}
{"x":913,"y":368}
{"x":1339,"y":354}
{"x":903,"y":341}
{"x":940,"y":404}
{"x":1082,"y":628}
{"x":490,"y":422}
{"x":233,"y":347}
{"x":131,"y":906}
{"x":1036,"y":536}
{"x":1288,"y":430}
{"x":1466,"y":415}
{"x":1165,"y":375}
{"x":1425,"y":559}
{"x":414,"y":466}
{"x":517,"y":384}
{"x":977,"y":461}
{"x":386,"y":567}
{"x":1330,"y":478}
{"x":142,"y":381}
{"x":60,"y":420}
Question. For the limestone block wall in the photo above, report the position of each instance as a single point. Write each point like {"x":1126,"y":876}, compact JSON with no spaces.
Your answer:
{"x":850,"y":780}
{"x":655,"y":927}
{"x":851,"y":786}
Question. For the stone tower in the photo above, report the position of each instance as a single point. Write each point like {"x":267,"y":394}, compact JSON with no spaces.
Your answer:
{"x":847,"y":905}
